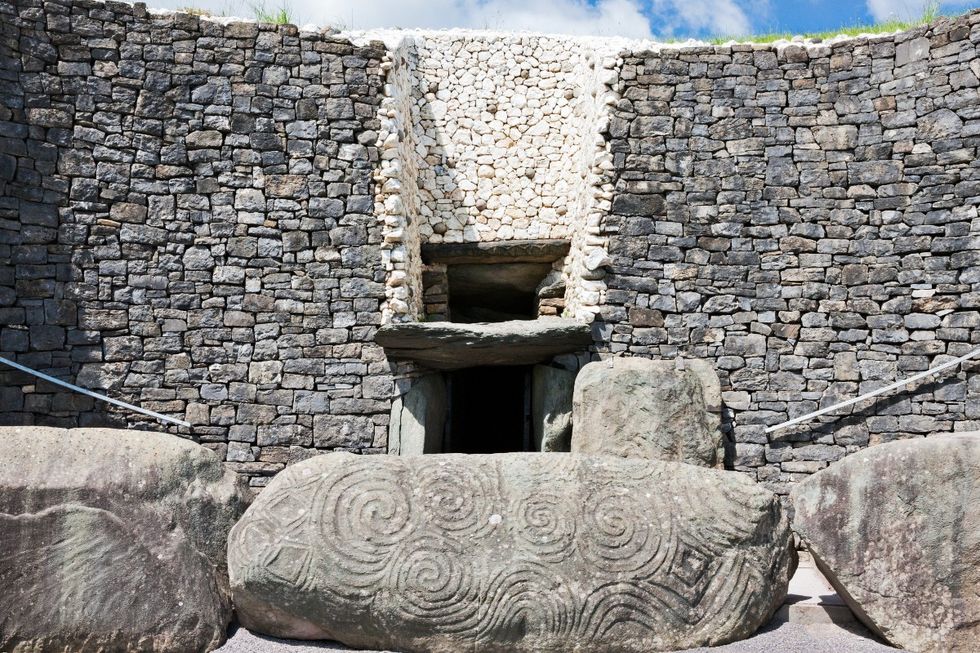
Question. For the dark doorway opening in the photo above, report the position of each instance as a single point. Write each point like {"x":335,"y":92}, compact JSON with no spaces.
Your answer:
{"x":495,"y":292}
{"x":489,"y":410}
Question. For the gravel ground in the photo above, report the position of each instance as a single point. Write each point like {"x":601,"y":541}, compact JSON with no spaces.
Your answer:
{"x":777,"y":637}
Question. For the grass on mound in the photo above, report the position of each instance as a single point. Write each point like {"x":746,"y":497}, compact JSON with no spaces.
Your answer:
{"x":281,"y":15}
{"x":929,"y":14}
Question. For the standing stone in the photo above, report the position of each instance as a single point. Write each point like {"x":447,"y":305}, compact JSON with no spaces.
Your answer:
{"x":896,"y":530}
{"x":418,"y":418}
{"x":665,"y":410}
{"x":113,"y":540}
{"x":551,"y":407}
{"x":510,"y":552}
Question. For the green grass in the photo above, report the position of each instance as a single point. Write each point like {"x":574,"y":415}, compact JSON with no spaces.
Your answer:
{"x":929,"y":14}
{"x":282,"y":15}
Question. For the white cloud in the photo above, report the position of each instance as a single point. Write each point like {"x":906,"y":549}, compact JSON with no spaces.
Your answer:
{"x":608,"y":17}
{"x":630,"y":18}
{"x":716,"y":17}
{"x":906,"y":9}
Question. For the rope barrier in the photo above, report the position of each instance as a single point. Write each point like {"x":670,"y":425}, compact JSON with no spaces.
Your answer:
{"x":792,"y":422}
{"x":75,"y":388}
{"x":875,"y":393}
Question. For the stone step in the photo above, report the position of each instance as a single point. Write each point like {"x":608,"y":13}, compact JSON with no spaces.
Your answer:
{"x":812,"y":599}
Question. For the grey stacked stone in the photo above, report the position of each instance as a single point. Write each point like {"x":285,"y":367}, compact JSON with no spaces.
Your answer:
{"x":187,"y":223}
{"x":805,"y":216}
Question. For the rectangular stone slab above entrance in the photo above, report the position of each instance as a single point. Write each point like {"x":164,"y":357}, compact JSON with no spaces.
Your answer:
{"x":451,"y":346}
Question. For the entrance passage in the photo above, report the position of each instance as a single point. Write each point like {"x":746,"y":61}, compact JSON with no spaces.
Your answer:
{"x":495,"y":292}
{"x":489,"y":410}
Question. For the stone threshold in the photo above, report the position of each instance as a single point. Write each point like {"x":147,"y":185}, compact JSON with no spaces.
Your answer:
{"x":811,"y":599}
{"x":454,"y":345}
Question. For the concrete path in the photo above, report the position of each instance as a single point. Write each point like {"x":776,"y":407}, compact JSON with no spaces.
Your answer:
{"x":812,"y":599}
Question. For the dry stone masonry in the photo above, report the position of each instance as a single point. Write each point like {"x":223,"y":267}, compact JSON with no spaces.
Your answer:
{"x":510,"y":552}
{"x":806,"y":217}
{"x":212,"y":219}
{"x":189,"y":225}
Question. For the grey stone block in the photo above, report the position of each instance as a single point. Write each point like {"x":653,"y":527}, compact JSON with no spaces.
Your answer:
{"x":131,"y":525}
{"x":447,"y":552}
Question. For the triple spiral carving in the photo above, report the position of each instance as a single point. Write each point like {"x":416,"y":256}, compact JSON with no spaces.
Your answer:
{"x":525,"y":551}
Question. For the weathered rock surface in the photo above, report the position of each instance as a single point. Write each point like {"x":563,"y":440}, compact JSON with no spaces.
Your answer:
{"x":510,"y":552}
{"x":453,"y":345}
{"x":551,"y":407}
{"x":418,"y":418}
{"x":896,"y":530}
{"x":660,"y":409}
{"x":113,"y":540}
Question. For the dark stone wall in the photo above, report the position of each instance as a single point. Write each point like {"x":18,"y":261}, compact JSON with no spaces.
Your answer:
{"x":34,"y":262}
{"x":804,"y":217}
{"x":187,"y":222}
{"x":188,"y":225}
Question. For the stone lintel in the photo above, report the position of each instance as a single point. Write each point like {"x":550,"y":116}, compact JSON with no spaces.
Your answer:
{"x":506,"y":251}
{"x":453,"y":345}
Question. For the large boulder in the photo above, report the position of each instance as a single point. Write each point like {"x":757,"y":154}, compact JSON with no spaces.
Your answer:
{"x":113,"y":540}
{"x":659,"y":409}
{"x":510,"y":552}
{"x":896,"y":530}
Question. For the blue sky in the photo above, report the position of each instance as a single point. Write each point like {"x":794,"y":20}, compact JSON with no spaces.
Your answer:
{"x":631,"y":18}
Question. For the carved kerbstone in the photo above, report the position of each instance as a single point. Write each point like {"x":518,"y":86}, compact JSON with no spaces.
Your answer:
{"x":113,"y":540}
{"x":510,"y":552}
{"x":660,"y":409}
{"x":896,"y":530}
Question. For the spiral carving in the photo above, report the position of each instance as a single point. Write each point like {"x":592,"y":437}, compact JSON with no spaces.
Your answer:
{"x":457,"y":498}
{"x":546,"y":524}
{"x":433,"y":583}
{"x":512,"y":553}
{"x":614,"y":540}
{"x":362,"y":516}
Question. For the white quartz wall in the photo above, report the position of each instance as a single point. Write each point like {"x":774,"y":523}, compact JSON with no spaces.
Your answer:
{"x":499,"y":124}
{"x":488,"y":137}
{"x":587,"y":258}
{"x":398,"y":202}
